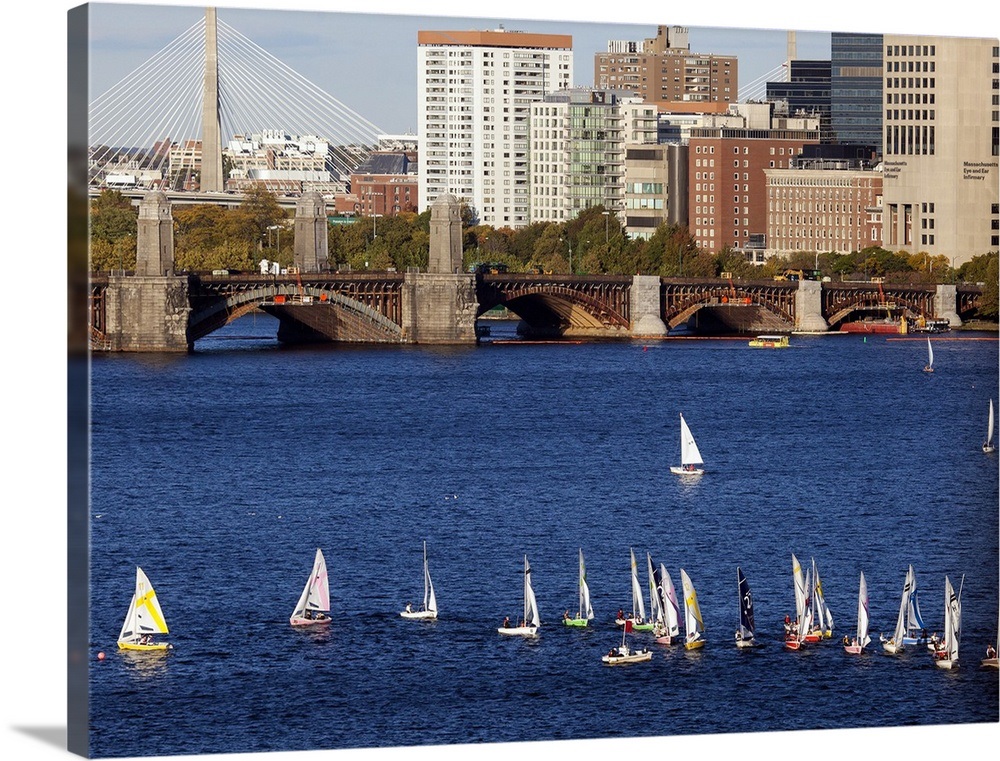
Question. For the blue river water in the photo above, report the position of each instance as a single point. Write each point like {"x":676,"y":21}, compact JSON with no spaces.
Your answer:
{"x":220,"y":472}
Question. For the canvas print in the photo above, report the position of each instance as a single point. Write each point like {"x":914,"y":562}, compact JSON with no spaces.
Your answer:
{"x":513,"y":381}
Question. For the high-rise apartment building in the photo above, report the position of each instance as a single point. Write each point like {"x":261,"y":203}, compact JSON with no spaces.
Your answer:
{"x":940,"y":145}
{"x":475,"y":90}
{"x":807,"y":91}
{"x":856,"y":88}
{"x":662,"y":70}
{"x":578,"y":150}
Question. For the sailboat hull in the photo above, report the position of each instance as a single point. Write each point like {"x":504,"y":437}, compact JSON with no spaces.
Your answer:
{"x":518,"y":631}
{"x":745,"y":644}
{"x":136,"y":647}
{"x":685,"y":472}
{"x":424,"y":615}
{"x":793,"y":644}
{"x":296,"y":621}
{"x":990,"y":663}
{"x":575,"y":621}
{"x":946,"y":663}
{"x":621,"y":660}
{"x":853,"y":649}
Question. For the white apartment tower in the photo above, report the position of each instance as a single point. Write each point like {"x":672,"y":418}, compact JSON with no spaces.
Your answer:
{"x":940,"y":139}
{"x":577,"y":152}
{"x":475,"y":91}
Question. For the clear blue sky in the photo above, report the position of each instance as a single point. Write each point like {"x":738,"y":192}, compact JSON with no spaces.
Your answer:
{"x":368,"y":61}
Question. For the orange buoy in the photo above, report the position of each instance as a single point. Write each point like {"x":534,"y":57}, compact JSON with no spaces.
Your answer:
{"x":100,"y":656}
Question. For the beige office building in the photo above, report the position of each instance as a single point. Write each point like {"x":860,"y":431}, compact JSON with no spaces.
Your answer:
{"x":827,"y":209}
{"x":940,"y":180}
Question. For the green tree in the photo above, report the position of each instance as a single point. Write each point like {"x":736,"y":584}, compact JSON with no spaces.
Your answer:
{"x":112,"y":217}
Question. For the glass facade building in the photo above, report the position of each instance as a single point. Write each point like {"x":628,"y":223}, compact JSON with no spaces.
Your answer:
{"x":856,"y":72}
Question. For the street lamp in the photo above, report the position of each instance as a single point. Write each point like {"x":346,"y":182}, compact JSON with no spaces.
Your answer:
{"x":278,"y":228}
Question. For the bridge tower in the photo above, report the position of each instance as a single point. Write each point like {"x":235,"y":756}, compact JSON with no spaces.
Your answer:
{"x":439,"y":306}
{"x":311,"y":232}
{"x":211,"y":130}
{"x":149,"y":311}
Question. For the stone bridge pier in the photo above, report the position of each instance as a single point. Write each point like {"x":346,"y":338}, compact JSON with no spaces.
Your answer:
{"x":809,"y":307}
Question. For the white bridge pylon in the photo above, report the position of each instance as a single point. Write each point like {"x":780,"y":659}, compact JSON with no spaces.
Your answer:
{"x":159,"y":104}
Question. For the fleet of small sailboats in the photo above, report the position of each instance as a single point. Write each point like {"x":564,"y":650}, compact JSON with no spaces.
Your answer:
{"x":144,"y":619}
{"x":988,"y":444}
{"x":430,"y":609}
{"x":691,"y":461}
{"x":313,"y":606}
{"x":861,"y":638}
{"x":529,"y":623}
{"x":585,"y":613}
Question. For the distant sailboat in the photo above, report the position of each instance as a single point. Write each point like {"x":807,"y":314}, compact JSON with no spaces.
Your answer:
{"x":585,"y":612}
{"x":861,"y":638}
{"x":946,"y":652}
{"x":916,"y":632}
{"x":990,"y":661}
{"x":745,"y":633}
{"x":623,"y":654}
{"x":144,"y":619}
{"x":694,"y":626}
{"x":638,"y":615}
{"x":313,"y":606}
{"x":894,"y":644}
{"x":988,"y":444}
{"x":671,"y":609}
{"x":822,"y":618}
{"x":430,"y":609}
{"x":528,"y":626}
{"x":929,"y":367}
{"x":690,"y":455}
{"x":795,"y":631}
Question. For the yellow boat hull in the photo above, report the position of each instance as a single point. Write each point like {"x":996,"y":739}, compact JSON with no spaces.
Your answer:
{"x":156,"y":646}
{"x":696,"y":645}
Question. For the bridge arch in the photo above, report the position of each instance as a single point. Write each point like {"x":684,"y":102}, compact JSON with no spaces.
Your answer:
{"x":598,"y":306}
{"x":218,"y":312}
{"x":680,"y":307}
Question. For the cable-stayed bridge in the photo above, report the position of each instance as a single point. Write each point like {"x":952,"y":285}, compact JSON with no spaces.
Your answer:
{"x":213,"y":93}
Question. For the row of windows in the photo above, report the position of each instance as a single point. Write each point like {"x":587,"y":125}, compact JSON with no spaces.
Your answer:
{"x":910,"y":82}
{"x":893,"y":50}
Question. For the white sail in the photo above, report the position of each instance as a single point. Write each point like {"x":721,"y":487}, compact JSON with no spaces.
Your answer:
{"x":655,"y":609}
{"x":530,"y":605}
{"x":989,"y":429}
{"x":862,"y":632}
{"x":914,"y":621}
{"x":823,"y":616}
{"x":689,"y":449}
{"x":800,"y":589}
{"x":930,"y":354}
{"x":585,"y":611}
{"x":671,"y":609}
{"x":315,"y":595}
{"x":952,"y":619}
{"x":900,"y":631}
{"x":694,"y":627}
{"x":144,"y":613}
{"x":638,"y":608}
{"x":430,"y":601}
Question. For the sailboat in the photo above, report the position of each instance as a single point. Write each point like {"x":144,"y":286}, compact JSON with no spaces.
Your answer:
{"x":655,"y":601}
{"x":144,"y":619}
{"x":946,"y":652}
{"x":745,"y":634}
{"x":916,"y":632}
{"x":625,"y":654}
{"x":694,"y":626}
{"x":894,"y":644}
{"x":585,"y":612}
{"x":990,"y":661}
{"x":690,"y":456}
{"x":313,"y":606}
{"x":929,"y":367}
{"x":822,"y":618}
{"x":430,"y":609}
{"x":671,"y":610}
{"x":861,"y":638}
{"x":528,"y":626}
{"x":988,"y":444}
{"x":795,"y":631}
{"x":638,"y":616}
